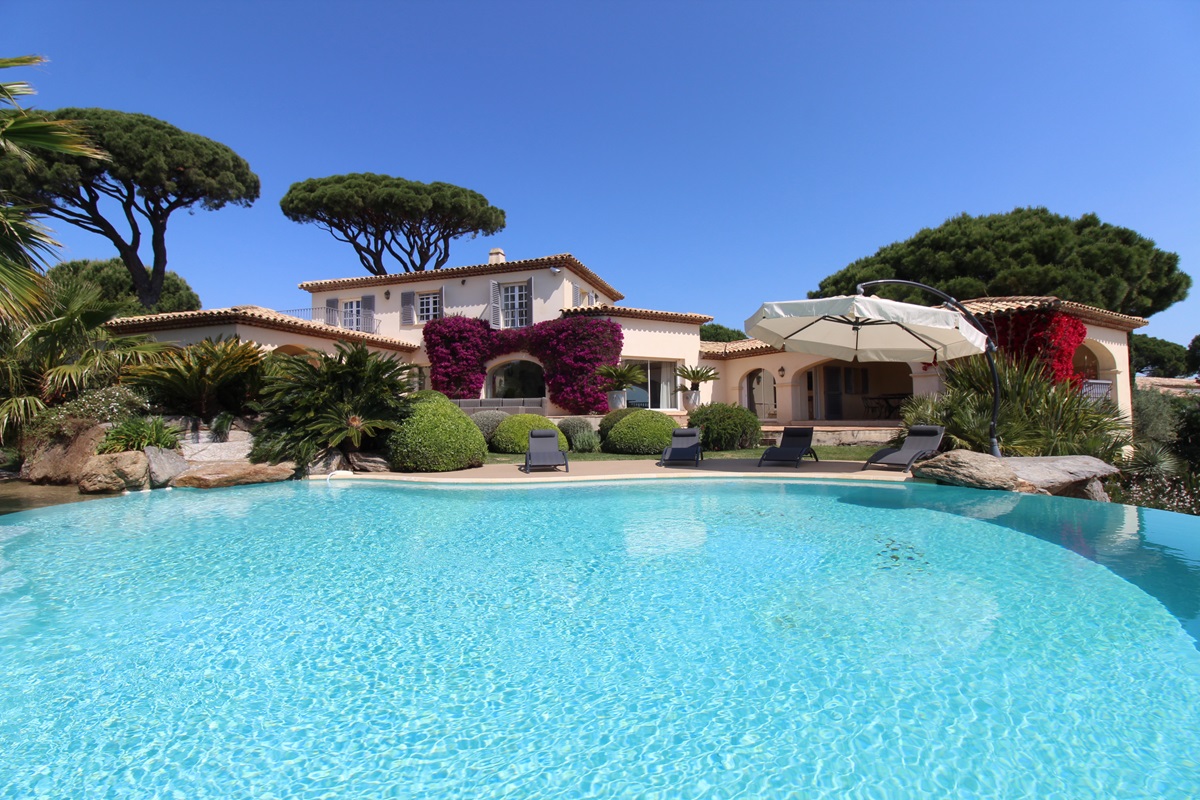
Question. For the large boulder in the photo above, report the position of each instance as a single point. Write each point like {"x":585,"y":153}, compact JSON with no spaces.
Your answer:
{"x":62,"y":461}
{"x":217,"y":474}
{"x":971,"y":469}
{"x":368,"y":462}
{"x":1065,"y":476}
{"x":115,"y":472}
{"x":204,"y":452}
{"x":327,"y":461}
{"x":164,"y":465}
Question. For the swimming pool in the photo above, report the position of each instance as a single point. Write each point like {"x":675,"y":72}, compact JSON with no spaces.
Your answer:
{"x":677,"y":639}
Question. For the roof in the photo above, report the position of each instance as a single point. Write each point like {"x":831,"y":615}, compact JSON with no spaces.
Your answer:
{"x":1000,"y":306}
{"x":562,"y":260}
{"x":255,"y":316}
{"x":743,"y":348}
{"x":1179,"y":387}
{"x":604,"y":310}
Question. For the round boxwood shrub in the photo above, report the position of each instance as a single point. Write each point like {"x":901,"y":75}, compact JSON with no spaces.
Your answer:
{"x":512,"y":434}
{"x":612,"y":418}
{"x":726,"y":426}
{"x":435,"y":437}
{"x":573,"y":426}
{"x":641,"y":433}
{"x":488,"y":420}
{"x":427,"y":395}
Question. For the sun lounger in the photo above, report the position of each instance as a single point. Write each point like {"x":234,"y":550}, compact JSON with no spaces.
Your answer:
{"x":543,"y":451}
{"x":685,"y":446}
{"x":795,"y":444}
{"x":922,"y":442}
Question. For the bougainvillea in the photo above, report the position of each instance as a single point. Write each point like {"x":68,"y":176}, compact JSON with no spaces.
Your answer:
{"x":570,"y":350}
{"x":1051,"y":337}
{"x":458,"y":349}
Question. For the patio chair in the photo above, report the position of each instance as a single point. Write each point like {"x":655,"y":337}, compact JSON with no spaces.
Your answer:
{"x":795,"y":444}
{"x":543,"y":451}
{"x":922,"y":442}
{"x":685,"y":446}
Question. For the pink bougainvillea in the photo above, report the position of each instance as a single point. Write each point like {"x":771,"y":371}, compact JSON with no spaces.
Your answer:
{"x":570,"y":349}
{"x":1052,"y":337}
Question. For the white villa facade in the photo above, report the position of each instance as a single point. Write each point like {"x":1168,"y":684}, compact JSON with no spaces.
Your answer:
{"x":388,"y":313}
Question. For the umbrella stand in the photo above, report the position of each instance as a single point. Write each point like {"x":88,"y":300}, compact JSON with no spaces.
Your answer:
{"x":991,"y":344}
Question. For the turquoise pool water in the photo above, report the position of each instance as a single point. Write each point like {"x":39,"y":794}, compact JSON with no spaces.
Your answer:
{"x":691,"y":639}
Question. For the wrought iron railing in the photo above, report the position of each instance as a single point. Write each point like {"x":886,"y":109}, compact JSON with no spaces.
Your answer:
{"x":1096,"y":390}
{"x":364,"y":321}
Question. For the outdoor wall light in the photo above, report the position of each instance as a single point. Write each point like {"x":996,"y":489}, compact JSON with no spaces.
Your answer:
{"x":387,"y":294}
{"x":782,"y":371}
{"x":555,"y":270}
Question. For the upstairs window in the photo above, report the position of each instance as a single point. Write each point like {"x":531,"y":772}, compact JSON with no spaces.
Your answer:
{"x":352,"y":315}
{"x":429,"y":306}
{"x":514,"y":305}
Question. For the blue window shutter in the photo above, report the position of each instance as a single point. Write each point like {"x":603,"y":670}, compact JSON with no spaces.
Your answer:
{"x":331,"y":311}
{"x":529,"y":320}
{"x":408,"y":308}
{"x":441,"y":309}
{"x":368,"y":313}
{"x":495,"y":309}
{"x":575,"y":295}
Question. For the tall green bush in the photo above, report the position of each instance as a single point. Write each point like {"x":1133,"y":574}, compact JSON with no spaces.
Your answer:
{"x":1038,"y":417}
{"x":612,"y":418}
{"x":726,"y":426}
{"x":512,"y":435}
{"x":435,"y":437}
{"x":643,"y":432}
{"x":1156,"y":416}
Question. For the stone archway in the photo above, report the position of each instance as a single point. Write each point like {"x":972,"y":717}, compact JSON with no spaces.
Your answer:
{"x":758,"y":393}
{"x":515,"y":379}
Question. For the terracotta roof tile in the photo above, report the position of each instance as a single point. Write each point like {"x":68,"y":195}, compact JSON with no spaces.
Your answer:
{"x":562,"y":260}
{"x":743,"y":348}
{"x":993,"y":306}
{"x":635,"y":313}
{"x":255,"y":316}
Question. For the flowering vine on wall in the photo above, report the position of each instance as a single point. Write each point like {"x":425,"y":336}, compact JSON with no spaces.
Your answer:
{"x":570,"y":349}
{"x":1051,"y":337}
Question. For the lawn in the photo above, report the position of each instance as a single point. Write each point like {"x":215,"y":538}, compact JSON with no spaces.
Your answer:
{"x":824,"y":452}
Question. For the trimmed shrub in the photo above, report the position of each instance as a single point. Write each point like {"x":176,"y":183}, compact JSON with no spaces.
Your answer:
{"x":138,"y":433}
{"x":726,"y":426}
{"x":426,"y":396}
{"x":573,"y":426}
{"x":435,"y":437}
{"x":512,"y":435}
{"x":612,"y":418}
{"x":586,"y":442}
{"x":643,"y":432}
{"x":488,"y":420}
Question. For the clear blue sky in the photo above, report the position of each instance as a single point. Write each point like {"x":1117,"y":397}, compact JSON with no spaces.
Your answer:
{"x":700,"y":156}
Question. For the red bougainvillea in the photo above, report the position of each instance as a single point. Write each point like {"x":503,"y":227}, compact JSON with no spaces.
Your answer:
{"x":570,"y":350}
{"x":1049,"y":336}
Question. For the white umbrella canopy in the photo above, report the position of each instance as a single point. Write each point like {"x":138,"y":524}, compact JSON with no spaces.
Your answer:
{"x":857,"y":327}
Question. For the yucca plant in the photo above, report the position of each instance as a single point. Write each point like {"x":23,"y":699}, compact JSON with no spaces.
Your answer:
{"x":1152,"y":461}
{"x":203,"y":379}
{"x":1038,"y":417}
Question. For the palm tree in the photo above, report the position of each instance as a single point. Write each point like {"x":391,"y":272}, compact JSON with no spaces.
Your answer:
{"x":23,"y":241}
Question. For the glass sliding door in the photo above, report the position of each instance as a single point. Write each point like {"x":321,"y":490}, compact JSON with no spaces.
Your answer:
{"x":658,"y":390}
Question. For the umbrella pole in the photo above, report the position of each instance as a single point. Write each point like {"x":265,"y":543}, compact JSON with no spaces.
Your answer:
{"x":991,"y":346}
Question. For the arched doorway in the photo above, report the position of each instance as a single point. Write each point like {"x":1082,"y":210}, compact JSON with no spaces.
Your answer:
{"x":758,"y":393}
{"x":516,"y":379}
{"x":1086,"y":364}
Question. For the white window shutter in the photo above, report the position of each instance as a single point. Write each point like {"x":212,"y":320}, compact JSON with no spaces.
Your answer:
{"x":495,"y":309}
{"x":408,"y":310}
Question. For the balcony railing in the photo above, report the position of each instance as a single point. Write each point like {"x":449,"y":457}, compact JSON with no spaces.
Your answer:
{"x":1096,"y":390}
{"x":364,"y":321}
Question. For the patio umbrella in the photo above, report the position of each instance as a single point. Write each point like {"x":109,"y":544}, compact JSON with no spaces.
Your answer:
{"x":861,"y":328}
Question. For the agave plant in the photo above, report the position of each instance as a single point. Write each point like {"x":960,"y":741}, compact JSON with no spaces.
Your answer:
{"x":1038,"y":417}
{"x":1152,"y":461}
{"x":204,"y":379}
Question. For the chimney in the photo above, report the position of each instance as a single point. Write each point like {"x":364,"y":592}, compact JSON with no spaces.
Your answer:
{"x":495,"y":256}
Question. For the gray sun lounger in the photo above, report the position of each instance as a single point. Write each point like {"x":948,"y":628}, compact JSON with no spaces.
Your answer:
{"x":685,"y":446}
{"x":922,"y":442}
{"x":795,"y":444}
{"x":543,"y":451}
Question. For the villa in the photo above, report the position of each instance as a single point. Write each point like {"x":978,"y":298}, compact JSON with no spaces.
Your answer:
{"x":388,"y":313}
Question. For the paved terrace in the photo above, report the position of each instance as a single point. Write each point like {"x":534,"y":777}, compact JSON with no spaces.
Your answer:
{"x":639,"y":470}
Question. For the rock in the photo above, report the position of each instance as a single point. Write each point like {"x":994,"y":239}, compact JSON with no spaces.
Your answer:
{"x":205,"y":452}
{"x":62,"y":461}
{"x":368,"y":462}
{"x":968,"y":468}
{"x":326,"y":462}
{"x":115,"y":472}
{"x":233,"y":473}
{"x":164,"y":465}
{"x":1066,"y":476}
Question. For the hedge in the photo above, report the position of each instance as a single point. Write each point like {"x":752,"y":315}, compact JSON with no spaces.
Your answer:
{"x":726,"y":426}
{"x":512,"y":435}
{"x":435,"y":437}
{"x":643,"y":432}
